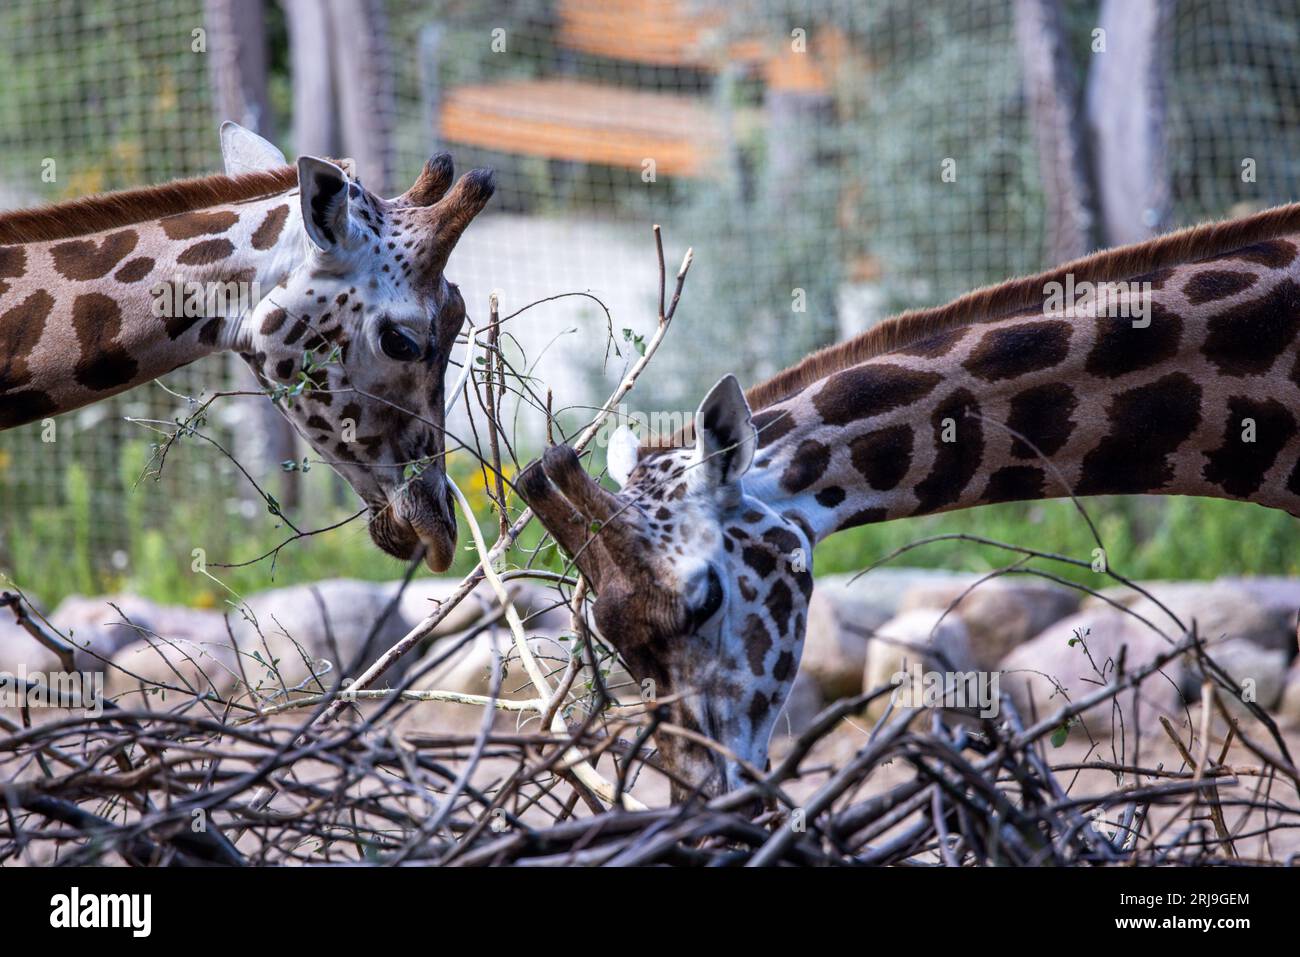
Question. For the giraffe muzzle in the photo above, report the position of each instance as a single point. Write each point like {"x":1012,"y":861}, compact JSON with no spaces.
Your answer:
{"x":419,"y":514}
{"x":427,"y":507}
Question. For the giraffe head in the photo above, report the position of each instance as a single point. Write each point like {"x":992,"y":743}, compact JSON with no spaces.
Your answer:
{"x":355,"y":341}
{"x":700,"y":586}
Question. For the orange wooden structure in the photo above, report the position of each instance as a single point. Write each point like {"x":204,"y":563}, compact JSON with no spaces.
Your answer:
{"x":590,"y":122}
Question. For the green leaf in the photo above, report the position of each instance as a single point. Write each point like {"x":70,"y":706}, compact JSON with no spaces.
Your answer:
{"x":638,"y":342}
{"x":1060,"y":735}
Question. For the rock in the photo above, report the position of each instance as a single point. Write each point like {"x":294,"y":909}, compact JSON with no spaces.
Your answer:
{"x":422,"y":597}
{"x":1259,"y":671}
{"x":200,"y":665}
{"x":19,"y":650}
{"x":1220,"y":609}
{"x":804,"y":704}
{"x":328,"y":620}
{"x":1029,"y":670}
{"x":883,"y":588}
{"x":1000,"y":613}
{"x":99,"y":630}
{"x":469,"y":671}
{"x":180,"y":647}
{"x":937,"y":642}
{"x":284,"y":626}
{"x":1277,"y":595}
{"x":835,"y":645}
{"x":288,"y":626}
{"x":1288,"y":708}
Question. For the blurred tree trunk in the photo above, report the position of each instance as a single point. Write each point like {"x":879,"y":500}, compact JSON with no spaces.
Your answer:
{"x":1126,"y":118}
{"x":315,"y":126}
{"x":367,"y":104}
{"x":237,"y":68}
{"x":1056,"y":114}
{"x":237,"y":64}
{"x":343,"y":96}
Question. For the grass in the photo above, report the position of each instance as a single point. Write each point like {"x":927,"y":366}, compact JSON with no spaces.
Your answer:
{"x":1145,"y":537}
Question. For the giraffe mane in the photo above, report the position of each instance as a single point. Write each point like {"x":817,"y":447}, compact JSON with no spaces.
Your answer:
{"x":1000,"y":300}
{"x":92,"y":214}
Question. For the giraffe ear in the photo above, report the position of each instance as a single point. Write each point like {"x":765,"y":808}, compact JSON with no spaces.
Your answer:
{"x":725,"y":438}
{"x":243,"y":151}
{"x":621,"y":456}
{"x":323,"y":192}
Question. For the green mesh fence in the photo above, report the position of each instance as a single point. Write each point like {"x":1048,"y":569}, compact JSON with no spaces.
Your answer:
{"x":798,"y":147}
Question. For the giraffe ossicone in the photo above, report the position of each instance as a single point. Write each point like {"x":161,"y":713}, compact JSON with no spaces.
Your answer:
{"x":701,"y":563}
{"x":351,"y":337}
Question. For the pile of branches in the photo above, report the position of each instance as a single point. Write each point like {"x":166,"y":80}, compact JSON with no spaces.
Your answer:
{"x":210,"y":781}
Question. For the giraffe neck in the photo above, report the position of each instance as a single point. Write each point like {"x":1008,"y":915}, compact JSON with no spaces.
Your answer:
{"x":84,"y":318}
{"x":1199,"y":396}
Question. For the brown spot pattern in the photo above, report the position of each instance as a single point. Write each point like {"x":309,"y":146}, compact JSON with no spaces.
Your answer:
{"x":1147,"y":424}
{"x":1239,"y":467}
{"x":1122,"y":348}
{"x":772,"y":424}
{"x":104,"y":364}
{"x":1018,"y":349}
{"x":20,"y":330}
{"x":869,"y":390}
{"x":1042,"y":414}
{"x":268,"y":232}
{"x":808,"y":464}
{"x":1212,"y":284}
{"x":13,"y":261}
{"x":134,"y":270}
{"x":198,"y":223}
{"x":1246,"y":338}
{"x":758,"y":642}
{"x":206,"y":252}
{"x":956,"y":462}
{"x":884,"y":456}
{"x":84,"y":259}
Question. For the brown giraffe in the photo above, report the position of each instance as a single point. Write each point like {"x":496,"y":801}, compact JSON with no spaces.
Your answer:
{"x":99,"y":295}
{"x":1182,"y":380}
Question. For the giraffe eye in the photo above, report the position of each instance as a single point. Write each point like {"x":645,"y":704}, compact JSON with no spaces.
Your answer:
{"x":398,"y":345}
{"x":710,"y":602}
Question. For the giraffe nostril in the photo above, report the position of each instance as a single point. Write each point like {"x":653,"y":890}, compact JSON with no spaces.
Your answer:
{"x":425,"y":508}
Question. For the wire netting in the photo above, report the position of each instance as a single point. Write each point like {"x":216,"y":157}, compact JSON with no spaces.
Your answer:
{"x":798,"y":147}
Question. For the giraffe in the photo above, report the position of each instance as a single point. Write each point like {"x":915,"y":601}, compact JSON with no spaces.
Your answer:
{"x":1184,"y":379}
{"x":334,"y":297}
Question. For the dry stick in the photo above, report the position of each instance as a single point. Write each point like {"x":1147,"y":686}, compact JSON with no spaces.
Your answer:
{"x":570,"y":669}
{"x":775,"y":848}
{"x":583,"y":771}
{"x":867,"y":829}
{"x":493,"y":357}
{"x":1198,"y":772}
{"x":46,"y":636}
{"x":470,"y":581}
